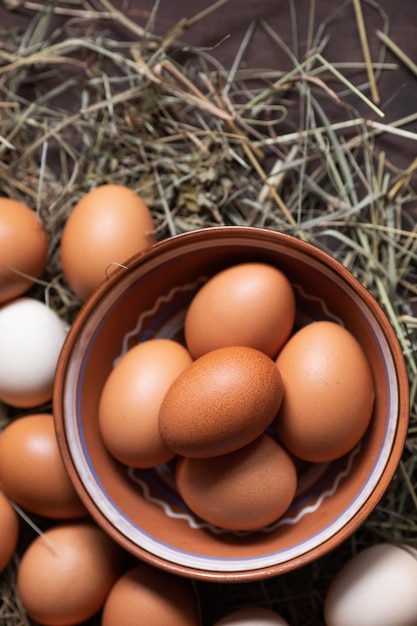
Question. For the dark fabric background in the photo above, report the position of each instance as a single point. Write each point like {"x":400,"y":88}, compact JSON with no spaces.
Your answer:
{"x":223,"y":30}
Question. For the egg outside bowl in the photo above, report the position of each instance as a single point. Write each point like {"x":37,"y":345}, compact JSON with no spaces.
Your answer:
{"x":141,"y":509}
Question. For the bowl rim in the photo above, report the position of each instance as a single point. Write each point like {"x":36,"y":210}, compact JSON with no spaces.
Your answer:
{"x":399,"y":438}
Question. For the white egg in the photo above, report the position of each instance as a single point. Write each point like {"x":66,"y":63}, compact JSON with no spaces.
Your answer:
{"x":252,"y":616}
{"x":31,"y":338}
{"x":377,"y":587}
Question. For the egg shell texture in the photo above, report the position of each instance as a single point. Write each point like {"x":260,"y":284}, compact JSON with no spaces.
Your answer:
{"x":31,"y":469}
{"x":328,"y":392}
{"x":250,"y":304}
{"x":244,"y":490}
{"x":252,"y":616}
{"x":9,"y":531}
{"x":145,"y":595}
{"x":221,"y":402}
{"x":376,"y":587}
{"x":23,"y":248}
{"x":31,"y":338}
{"x":65,"y":575}
{"x":131,"y":399}
{"x":107,"y":226}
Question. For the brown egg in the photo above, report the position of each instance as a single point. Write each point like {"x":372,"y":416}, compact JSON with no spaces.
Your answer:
{"x":31,"y":469}
{"x":23,"y":248}
{"x":146,"y":595}
{"x":328,"y":392}
{"x":250,"y":304}
{"x":66,"y":574}
{"x":221,"y":402}
{"x":244,"y":490}
{"x":9,"y":531}
{"x":131,"y":399}
{"x":252,"y":616}
{"x":108,"y":225}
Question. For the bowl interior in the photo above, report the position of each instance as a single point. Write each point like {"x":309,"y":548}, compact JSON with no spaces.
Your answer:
{"x":141,"y":508}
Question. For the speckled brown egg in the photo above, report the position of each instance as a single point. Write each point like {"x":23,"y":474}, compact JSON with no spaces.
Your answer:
{"x":241,"y":491}
{"x":66,"y":574}
{"x":23,"y":248}
{"x":248,"y":304}
{"x":328,"y":392}
{"x":31,"y":469}
{"x":221,"y":402}
{"x":146,"y":595}
{"x":9,"y":531}
{"x":107,"y":226}
{"x":131,"y":399}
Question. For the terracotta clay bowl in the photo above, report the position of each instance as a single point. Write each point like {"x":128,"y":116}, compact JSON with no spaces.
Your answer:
{"x":141,"y":509}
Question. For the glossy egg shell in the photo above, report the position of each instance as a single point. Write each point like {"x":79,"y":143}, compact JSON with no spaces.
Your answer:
{"x":23,"y":248}
{"x":247,"y":304}
{"x":146,"y":595}
{"x":375,"y":587}
{"x":131,"y":399}
{"x":31,"y":338}
{"x":107,"y":226}
{"x":31,"y":469}
{"x":65,"y":574}
{"x":328,"y":392}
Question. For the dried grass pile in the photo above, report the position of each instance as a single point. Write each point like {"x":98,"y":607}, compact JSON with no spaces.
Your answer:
{"x":102,"y":100}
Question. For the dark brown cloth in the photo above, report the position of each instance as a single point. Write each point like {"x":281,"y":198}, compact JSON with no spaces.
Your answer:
{"x":298,"y":24}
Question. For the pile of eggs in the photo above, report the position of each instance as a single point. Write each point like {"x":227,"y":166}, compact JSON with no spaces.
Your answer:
{"x":235,"y":407}
{"x":107,"y":225}
{"x":242,"y":401}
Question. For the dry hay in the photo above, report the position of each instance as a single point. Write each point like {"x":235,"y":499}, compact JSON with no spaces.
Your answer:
{"x":82,"y":105}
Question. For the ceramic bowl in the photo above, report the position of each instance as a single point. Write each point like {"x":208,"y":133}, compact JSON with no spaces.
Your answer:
{"x":141,"y":509}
